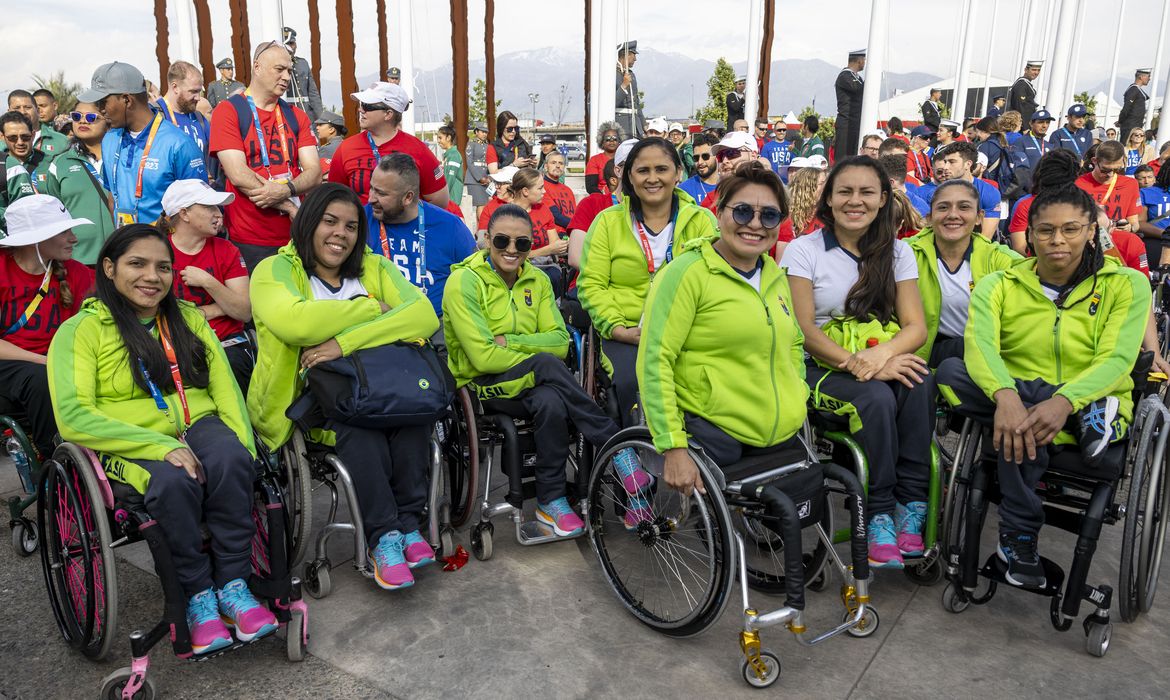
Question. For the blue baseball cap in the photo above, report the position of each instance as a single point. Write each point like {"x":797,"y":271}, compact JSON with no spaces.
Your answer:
{"x":922,"y":132}
{"x":1078,"y":110}
{"x":1042,"y":115}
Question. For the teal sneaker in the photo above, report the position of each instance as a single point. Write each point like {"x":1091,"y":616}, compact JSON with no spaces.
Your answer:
{"x":560,"y":517}
{"x":883,"y":543}
{"x":242,"y":612}
{"x":207,"y":631}
{"x":910,"y":519}
{"x":390,"y":568}
{"x":635,"y":479}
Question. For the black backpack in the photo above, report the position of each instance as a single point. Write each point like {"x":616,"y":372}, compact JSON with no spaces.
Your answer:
{"x":244,"y":117}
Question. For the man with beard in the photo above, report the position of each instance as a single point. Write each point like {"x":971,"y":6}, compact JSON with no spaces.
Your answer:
{"x":1022,"y":97}
{"x":558,"y":197}
{"x":849,"y":87}
{"x":45,"y":137}
{"x":957,"y":162}
{"x":302,"y":89}
{"x":219,"y":90}
{"x":184,"y":85}
{"x":422,"y":240}
{"x":706,"y":176}
{"x":1029,"y":149}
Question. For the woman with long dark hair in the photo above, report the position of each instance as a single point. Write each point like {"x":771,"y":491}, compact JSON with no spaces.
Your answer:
{"x":509,"y":148}
{"x":1052,"y":341}
{"x":140,"y":378}
{"x":322,"y":296}
{"x":855,"y":295}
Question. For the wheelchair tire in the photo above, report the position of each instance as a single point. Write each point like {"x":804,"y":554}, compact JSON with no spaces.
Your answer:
{"x":461,"y":453}
{"x":1147,"y":507}
{"x":481,"y":541}
{"x":76,"y":558}
{"x":113,"y":684}
{"x":318,"y":582}
{"x":297,"y":485}
{"x":1097,"y":638}
{"x":295,"y":645}
{"x":771,"y":670}
{"x":955,"y":500}
{"x":952,"y":602}
{"x":25,"y":537}
{"x":686,"y":596}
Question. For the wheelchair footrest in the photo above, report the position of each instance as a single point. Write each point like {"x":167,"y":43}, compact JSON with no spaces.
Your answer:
{"x":996,"y":570}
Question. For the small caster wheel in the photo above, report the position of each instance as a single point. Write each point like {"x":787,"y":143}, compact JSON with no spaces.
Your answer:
{"x":926,"y":573}
{"x":1059,"y":621}
{"x":1097,"y":638}
{"x":953,"y":601}
{"x":317,"y":581}
{"x":820,"y":582}
{"x":866,"y":626}
{"x":446,"y":542}
{"x":771,"y":670}
{"x":296,"y":642}
{"x":481,"y":541}
{"x":25,"y":537}
{"x":113,"y":684}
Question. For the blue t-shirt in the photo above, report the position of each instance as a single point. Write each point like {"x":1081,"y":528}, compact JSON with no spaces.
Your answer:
{"x":696,"y":188}
{"x":779,"y":155}
{"x":447,"y":242}
{"x":1157,"y":204}
{"x":919,"y":203}
{"x":194,"y":124}
{"x":1133,"y":159}
{"x":173,"y":156}
{"x":989,"y":197}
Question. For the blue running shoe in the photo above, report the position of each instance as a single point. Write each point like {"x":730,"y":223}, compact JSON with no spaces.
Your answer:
{"x":883,"y":543}
{"x":910,"y":519}
{"x":1099,"y":427}
{"x":560,"y":517}
{"x":1018,"y":551}
{"x":635,"y":479}
{"x":207,"y":631}
{"x":241,"y":611}
{"x":390,"y":568}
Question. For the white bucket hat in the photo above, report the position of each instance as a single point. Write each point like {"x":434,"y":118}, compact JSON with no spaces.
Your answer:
{"x":35,"y":219}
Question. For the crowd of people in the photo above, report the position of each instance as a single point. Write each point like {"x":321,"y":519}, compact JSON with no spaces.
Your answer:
{"x":736,"y":282}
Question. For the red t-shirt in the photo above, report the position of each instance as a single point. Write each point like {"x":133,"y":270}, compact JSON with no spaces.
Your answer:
{"x":245,"y":222}
{"x":1132,"y":251}
{"x":454,"y":208}
{"x":1124,"y":196}
{"x":354,"y":161}
{"x":17,"y":289}
{"x":543,"y":226}
{"x":1156,"y":165}
{"x":918,"y":165}
{"x":1019,"y":222}
{"x":560,"y":196}
{"x":596,"y":166}
{"x":222,"y":261}
{"x":588,"y":209}
{"x":485,"y":214}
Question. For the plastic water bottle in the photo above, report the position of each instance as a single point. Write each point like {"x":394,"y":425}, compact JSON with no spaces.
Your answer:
{"x":20,"y":459}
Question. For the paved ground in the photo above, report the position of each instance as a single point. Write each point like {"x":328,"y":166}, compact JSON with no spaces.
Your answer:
{"x":542,"y":622}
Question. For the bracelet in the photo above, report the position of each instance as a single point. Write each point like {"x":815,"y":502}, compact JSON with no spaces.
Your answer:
{"x":292,"y":189}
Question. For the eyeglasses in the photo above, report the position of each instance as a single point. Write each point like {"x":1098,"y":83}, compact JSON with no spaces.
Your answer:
{"x":87,"y":117}
{"x":703,"y":156}
{"x":729,"y":154}
{"x":1105,"y":170}
{"x":743,"y":214}
{"x":512,"y":128}
{"x":366,"y":107}
{"x":1070,"y":230}
{"x":18,"y":138}
{"x":501,"y":242}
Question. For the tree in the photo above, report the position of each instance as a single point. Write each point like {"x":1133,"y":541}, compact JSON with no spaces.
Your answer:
{"x":1089,"y":102}
{"x":477,"y":110}
{"x":563,"y":100}
{"x":65,"y":93}
{"x":828,"y":130}
{"x":721,"y":82}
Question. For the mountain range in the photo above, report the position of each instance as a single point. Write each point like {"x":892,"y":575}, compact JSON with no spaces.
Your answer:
{"x":675,"y":85}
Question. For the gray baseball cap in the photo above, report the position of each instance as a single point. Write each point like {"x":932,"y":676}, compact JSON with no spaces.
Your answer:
{"x":115,"y":78}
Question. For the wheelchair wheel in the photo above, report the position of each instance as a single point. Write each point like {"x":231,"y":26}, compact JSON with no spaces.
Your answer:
{"x":76,"y":557}
{"x":673,"y":571}
{"x":461,"y":457}
{"x":955,"y":498}
{"x":764,"y":550}
{"x":298,"y":496}
{"x":1147,"y":506}
{"x":114,"y":684}
{"x":261,"y":560}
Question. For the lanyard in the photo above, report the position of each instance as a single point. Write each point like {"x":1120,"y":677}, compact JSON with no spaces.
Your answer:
{"x":613,"y":198}
{"x":278,"y":113}
{"x":648,"y":251}
{"x":420,"y":267}
{"x":154,"y":125}
{"x":155,"y":393}
{"x":1073,"y":139}
{"x":1039,"y":144}
{"x":162,"y":104}
{"x":374,"y":148}
{"x":1112,"y":184}
{"x":31,"y":309}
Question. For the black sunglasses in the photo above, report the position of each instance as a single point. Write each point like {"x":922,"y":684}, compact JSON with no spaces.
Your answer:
{"x":18,"y":138}
{"x":703,"y":156}
{"x":87,"y":117}
{"x":500,"y":242}
{"x":367,"y":107}
{"x":512,"y":128}
{"x":610,"y":138}
{"x":743,"y":214}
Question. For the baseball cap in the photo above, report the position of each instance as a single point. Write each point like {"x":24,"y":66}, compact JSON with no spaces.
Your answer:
{"x":656,"y":124}
{"x":799,"y":162}
{"x":1078,"y":110}
{"x":623,"y":150}
{"x":36,"y":218}
{"x":328,"y":117}
{"x":817,"y":161}
{"x":389,"y":94}
{"x":505,"y":174}
{"x":736,"y":140}
{"x":1042,"y":115}
{"x":675,"y":126}
{"x":921,"y":132}
{"x":185,"y":193}
{"x":548,"y":138}
{"x":115,"y":78}
{"x":981,"y":158}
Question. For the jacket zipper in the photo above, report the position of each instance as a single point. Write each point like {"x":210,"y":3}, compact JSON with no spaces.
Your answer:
{"x":772,"y":372}
{"x":1056,"y":345}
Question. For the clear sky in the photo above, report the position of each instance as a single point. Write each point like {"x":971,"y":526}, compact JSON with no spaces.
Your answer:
{"x":78,"y":36}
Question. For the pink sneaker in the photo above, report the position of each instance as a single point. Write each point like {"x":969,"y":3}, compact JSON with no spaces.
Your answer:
{"x":560,"y":517}
{"x":883,"y":544}
{"x":635,"y":479}
{"x":638,"y":511}
{"x":418,"y":552}
{"x":910,"y":519}
{"x":241,"y":611}
{"x":207,"y":631}
{"x":390,"y":568}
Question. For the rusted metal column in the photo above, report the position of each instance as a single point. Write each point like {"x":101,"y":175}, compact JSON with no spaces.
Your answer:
{"x":766,"y":57}
{"x":315,"y":41}
{"x":383,"y":50}
{"x":348,"y":71}
{"x":241,"y":42}
{"x":459,"y":82}
{"x":162,"y":42}
{"x":203,"y":23}
{"x":489,"y":65}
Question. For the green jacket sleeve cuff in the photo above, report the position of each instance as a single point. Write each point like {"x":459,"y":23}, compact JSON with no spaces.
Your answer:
{"x":675,"y":439}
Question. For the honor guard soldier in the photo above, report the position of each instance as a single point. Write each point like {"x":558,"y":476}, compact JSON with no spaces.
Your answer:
{"x":302,"y":89}
{"x":1074,"y":135}
{"x":932,"y":110}
{"x":628,"y":107}
{"x":1133,"y":112}
{"x":1022,"y":97}
{"x":996,"y":109}
{"x":735,"y":102}
{"x":394,"y":75}
{"x":849,"y":88}
{"x":226,"y":85}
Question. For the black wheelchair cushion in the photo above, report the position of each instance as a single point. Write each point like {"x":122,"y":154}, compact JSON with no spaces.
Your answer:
{"x":507,"y":407}
{"x":757,"y":460}
{"x":823,"y":420}
{"x":126,"y":496}
{"x":1067,"y":461}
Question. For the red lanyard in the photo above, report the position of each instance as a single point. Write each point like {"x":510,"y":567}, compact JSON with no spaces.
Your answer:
{"x":146,"y":153}
{"x":647,"y":250}
{"x":164,"y":336}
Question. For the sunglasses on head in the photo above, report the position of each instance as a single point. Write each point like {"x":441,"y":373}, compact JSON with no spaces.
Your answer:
{"x":367,"y":107}
{"x":87,"y":117}
{"x":743,"y":214}
{"x":501,"y":241}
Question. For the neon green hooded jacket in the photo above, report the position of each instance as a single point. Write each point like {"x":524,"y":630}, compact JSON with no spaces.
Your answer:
{"x":986,"y":257}
{"x":714,"y":347}
{"x":614,"y":277}
{"x":1088,"y":347}
{"x":478,"y":306}
{"x":288,"y":319}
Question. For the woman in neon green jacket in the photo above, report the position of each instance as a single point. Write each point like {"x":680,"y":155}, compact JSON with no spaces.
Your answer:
{"x":627,"y":245}
{"x":140,"y":378}
{"x":951,"y":260}
{"x":721,"y":362}
{"x":506,"y":339}
{"x":322,"y":296}
{"x":1050,"y":347}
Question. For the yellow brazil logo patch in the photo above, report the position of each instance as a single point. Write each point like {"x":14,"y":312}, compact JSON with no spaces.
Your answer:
{"x":424,"y":384}
{"x":1094,"y":303}
{"x":528,"y":296}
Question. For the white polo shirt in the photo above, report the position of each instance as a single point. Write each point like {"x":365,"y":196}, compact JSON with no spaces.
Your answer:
{"x":820,"y":259}
{"x":956,"y":297}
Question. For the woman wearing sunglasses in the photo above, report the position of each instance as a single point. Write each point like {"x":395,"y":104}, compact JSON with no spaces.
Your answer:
{"x":854,"y":286}
{"x":506,"y":339}
{"x":724,"y":293}
{"x":74,"y":179}
{"x":509,"y":148}
{"x":626,"y":245}
{"x":325,"y":295}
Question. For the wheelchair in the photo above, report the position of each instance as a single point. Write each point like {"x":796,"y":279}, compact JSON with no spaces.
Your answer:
{"x":675,"y":571}
{"x":1130,"y":485}
{"x":25,"y":535}
{"x":85,"y":517}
